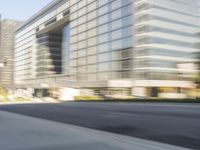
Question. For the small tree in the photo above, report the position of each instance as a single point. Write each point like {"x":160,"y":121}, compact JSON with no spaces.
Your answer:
{"x":3,"y":93}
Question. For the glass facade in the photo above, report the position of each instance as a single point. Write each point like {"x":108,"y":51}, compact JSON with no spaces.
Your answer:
{"x":27,"y":46}
{"x":101,"y":40}
{"x":99,"y":30}
{"x":49,"y":54}
{"x":162,"y":41}
{"x":65,"y":49}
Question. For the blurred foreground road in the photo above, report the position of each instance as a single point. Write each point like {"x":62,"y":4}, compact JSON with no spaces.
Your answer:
{"x":176,"y":124}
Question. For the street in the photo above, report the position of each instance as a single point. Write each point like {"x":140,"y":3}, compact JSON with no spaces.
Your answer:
{"x":176,"y":124}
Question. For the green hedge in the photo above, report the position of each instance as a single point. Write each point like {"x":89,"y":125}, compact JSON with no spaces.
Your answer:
{"x":22,"y":99}
{"x":3,"y":93}
{"x":87,"y":98}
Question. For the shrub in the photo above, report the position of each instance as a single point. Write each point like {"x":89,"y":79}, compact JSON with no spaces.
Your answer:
{"x":87,"y":98}
{"x":3,"y":94}
{"x":21,"y":99}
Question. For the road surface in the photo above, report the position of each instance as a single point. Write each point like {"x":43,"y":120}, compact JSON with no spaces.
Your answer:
{"x":176,"y":124}
{"x":20,"y":132}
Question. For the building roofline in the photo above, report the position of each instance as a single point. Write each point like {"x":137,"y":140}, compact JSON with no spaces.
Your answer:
{"x":6,"y":19}
{"x":40,"y":12}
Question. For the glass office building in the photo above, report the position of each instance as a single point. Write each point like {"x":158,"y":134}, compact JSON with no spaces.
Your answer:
{"x":165,"y":37}
{"x":107,"y":45}
{"x":7,"y":33}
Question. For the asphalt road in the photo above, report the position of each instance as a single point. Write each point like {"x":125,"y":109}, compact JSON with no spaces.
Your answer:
{"x":176,"y":124}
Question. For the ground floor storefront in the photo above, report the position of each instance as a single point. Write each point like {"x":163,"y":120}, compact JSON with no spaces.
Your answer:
{"x":121,"y":89}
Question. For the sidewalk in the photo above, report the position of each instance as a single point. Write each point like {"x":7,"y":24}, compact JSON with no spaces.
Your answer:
{"x":15,"y":103}
{"x":34,"y":101}
{"x":18,"y":132}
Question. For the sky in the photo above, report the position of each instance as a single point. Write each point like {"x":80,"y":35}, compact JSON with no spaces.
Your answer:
{"x":20,"y":9}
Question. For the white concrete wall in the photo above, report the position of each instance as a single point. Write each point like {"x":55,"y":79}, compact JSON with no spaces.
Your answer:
{"x":139,"y":91}
{"x":67,"y":94}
